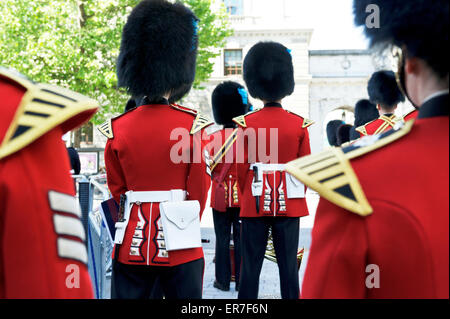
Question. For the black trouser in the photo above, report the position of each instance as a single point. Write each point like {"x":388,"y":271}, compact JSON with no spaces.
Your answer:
{"x":223,"y":221}
{"x":184,"y":281}
{"x":254,"y":234}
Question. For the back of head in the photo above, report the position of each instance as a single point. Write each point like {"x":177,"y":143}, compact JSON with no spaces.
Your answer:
{"x":158,"y":50}
{"x":269,"y":72}
{"x":332,"y":128}
{"x":419,"y":26}
{"x":384,"y":91}
{"x":365,"y":112}
{"x":229,"y":100}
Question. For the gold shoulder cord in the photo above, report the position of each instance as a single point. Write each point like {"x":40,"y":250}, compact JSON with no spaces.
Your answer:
{"x":224,"y":149}
{"x":43,"y":107}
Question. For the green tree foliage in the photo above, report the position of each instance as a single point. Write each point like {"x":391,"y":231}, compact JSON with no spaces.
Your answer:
{"x":75,"y":44}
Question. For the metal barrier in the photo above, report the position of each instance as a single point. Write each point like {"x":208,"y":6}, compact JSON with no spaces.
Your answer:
{"x":99,"y":242}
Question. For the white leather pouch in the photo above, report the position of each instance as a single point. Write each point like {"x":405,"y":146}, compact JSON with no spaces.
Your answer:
{"x":181,"y":224}
{"x":294,"y":188}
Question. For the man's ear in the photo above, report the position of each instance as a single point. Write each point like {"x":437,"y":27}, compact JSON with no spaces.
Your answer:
{"x":412,"y":66}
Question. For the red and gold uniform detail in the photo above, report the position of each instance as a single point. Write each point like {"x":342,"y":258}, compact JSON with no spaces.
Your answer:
{"x":41,"y":235}
{"x":292,"y":142}
{"x":138,"y":158}
{"x":226,"y":138}
{"x":383,"y":124}
{"x":401,"y":228}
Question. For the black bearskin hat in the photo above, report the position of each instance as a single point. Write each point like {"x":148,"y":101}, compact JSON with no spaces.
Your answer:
{"x":383,"y":89}
{"x":158,"y":50}
{"x":421,"y":26}
{"x":229,"y":100}
{"x":343,"y":134}
{"x":269,"y":72}
{"x":365,"y":112}
{"x":332,"y":128}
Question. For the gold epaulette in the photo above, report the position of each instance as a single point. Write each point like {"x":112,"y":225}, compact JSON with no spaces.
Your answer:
{"x":331,"y":174}
{"x":106,"y":129}
{"x":240,"y":120}
{"x":42,"y":108}
{"x":306,"y":122}
{"x":362,"y":130}
{"x":200,"y":121}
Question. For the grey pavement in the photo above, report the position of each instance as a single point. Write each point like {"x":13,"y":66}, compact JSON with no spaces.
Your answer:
{"x":269,"y":285}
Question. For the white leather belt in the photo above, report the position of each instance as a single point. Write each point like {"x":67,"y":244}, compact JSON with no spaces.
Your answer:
{"x":132,"y":197}
{"x":268,"y":167}
{"x":175,"y":195}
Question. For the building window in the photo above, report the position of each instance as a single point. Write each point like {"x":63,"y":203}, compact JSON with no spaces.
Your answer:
{"x":234,"y":7}
{"x":233,"y":62}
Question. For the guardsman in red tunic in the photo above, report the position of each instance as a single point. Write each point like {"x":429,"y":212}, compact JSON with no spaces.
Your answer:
{"x":378,"y":238}
{"x":229,"y":100}
{"x":412,"y":115}
{"x":42,"y":240}
{"x":268,"y":138}
{"x":154,"y":158}
{"x":384,"y":92}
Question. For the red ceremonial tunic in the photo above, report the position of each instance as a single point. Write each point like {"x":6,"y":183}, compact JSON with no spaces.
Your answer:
{"x":42,"y":249}
{"x":226,"y":139}
{"x":383,"y":124}
{"x":290,"y":139}
{"x":401,"y":249}
{"x":140,"y":155}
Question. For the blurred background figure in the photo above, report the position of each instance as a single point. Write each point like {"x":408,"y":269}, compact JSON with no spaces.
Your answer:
{"x":332,"y":128}
{"x":365,"y":112}
{"x":75,"y":163}
{"x":229,"y":100}
{"x":384,"y":92}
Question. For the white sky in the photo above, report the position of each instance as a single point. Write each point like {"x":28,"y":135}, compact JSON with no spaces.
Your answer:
{"x":332,"y":21}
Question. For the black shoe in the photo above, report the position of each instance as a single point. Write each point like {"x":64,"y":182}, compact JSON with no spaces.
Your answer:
{"x":220,"y":286}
